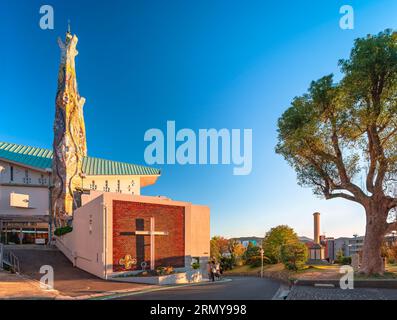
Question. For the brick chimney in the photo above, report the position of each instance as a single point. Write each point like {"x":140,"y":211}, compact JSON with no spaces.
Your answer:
{"x":316,"y":217}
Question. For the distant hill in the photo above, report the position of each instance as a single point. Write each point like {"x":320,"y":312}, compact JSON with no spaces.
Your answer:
{"x":258,"y":239}
{"x":305,"y":239}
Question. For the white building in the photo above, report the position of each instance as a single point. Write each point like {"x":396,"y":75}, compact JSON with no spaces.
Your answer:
{"x":25,"y":186}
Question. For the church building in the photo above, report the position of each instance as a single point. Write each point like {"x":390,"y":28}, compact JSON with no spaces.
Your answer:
{"x":94,"y":207}
{"x":25,"y":188}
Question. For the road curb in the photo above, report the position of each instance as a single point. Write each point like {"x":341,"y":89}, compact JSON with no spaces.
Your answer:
{"x":136,"y":292}
{"x":384,"y":283}
{"x":282,"y":293}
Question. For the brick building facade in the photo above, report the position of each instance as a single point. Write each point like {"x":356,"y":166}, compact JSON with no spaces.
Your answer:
{"x":129,"y":217}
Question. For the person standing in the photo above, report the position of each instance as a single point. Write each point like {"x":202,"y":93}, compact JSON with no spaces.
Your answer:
{"x":210,"y":273}
{"x":218,"y":270}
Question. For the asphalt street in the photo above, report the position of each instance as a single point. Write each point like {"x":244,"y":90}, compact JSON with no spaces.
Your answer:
{"x":239,"y":288}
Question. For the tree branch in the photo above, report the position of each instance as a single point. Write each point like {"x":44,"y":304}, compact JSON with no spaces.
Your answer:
{"x":341,"y":195}
{"x":391,"y":227}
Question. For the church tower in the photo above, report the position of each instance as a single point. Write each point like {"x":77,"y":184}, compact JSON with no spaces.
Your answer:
{"x":69,"y":145}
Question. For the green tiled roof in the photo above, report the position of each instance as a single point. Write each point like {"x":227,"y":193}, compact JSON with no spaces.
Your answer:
{"x":42,"y":159}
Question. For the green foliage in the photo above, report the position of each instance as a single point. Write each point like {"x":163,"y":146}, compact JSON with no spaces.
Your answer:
{"x":236,"y":249}
{"x":337,"y":134}
{"x":254,"y":261}
{"x":342,"y":259}
{"x":163,"y":271}
{"x":227,"y":263}
{"x":251,"y":251}
{"x":294,"y":255}
{"x":275,"y":239}
{"x":195,"y":265}
{"x":339,"y":256}
{"x":218,"y":247}
{"x":328,"y":133}
{"x":63,"y":230}
{"x":346,"y":260}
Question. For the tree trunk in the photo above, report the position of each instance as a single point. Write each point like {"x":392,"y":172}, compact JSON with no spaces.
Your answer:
{"x":372,"y":262}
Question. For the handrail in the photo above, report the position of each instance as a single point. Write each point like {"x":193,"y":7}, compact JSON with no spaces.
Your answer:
{"x":12,"y":260}
{"x":1,"y":255}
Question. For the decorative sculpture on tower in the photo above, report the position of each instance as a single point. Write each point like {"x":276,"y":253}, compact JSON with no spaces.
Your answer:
{"x":69,"y":143}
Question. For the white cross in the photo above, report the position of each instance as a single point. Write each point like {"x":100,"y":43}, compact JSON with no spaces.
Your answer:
{"x":152,"y":233}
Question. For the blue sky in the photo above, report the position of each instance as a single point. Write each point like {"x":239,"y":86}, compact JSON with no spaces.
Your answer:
{"x":204,"y":64}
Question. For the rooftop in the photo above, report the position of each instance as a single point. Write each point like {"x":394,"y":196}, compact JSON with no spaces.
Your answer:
{"x":41,"y":159}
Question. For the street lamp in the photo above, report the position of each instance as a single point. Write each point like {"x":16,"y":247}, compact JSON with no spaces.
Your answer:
{"x":262,"y":252}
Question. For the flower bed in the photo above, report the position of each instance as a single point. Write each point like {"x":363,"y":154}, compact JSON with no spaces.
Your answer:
{"x":173,"y":278}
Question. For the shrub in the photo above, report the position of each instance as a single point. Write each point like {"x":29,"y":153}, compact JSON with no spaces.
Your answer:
{"x":346,"y":260}
{"x":342,"y":259}
{"x":195,"y":265}
{"x":254,"y":261}
{"x":63,"y":230}
{"x":226,"y":263}
{"x":163,"y":271}
{"x":339,"y":256}
{"x":294,"y":255}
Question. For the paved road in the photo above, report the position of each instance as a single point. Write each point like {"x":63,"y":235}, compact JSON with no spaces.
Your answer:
{"x":240,"y":288}
{"x":313,"y":293}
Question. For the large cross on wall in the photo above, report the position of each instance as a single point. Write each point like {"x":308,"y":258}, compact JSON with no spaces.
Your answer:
{"x":152,"y":233}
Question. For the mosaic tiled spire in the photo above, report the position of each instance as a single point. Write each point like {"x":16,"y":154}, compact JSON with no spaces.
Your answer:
{"x":69,"y":144}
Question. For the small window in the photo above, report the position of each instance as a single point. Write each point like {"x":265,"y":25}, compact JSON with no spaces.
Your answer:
{"x":93,"y":185}
{"x":42,"y":180}
{"x":12,"y":173}
{"x":118,"y":186}
{"x":26,"y":179}
{"x":106,"y":187}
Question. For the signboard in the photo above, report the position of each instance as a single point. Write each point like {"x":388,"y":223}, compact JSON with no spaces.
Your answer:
{"x":39,"y":241}
{"x":19,"y":200}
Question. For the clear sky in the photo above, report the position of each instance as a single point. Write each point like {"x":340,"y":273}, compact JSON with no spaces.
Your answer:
{"x":204,"y":64}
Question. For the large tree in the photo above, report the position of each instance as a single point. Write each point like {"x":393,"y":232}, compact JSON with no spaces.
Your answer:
{"x":341,"y":138}
{"x":275,"y":239}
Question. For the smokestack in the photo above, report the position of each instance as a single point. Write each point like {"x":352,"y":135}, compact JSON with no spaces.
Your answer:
{"x":316,"y":217}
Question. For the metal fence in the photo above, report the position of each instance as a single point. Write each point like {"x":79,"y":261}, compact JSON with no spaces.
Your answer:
{"x":11,"y":260}
{"x":1,"y":255}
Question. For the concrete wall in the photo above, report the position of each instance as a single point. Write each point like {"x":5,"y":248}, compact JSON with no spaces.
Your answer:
{"x":197,"y":235}
{"x":25,"y":181}
{"x":128,"y":184}
{"x":84,"y":246}
{"x":38,"y":201}
{"x":92,"y":252}
{"x":22,"y":175}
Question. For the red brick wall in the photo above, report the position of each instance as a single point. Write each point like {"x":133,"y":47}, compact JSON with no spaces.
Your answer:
{"x":169,"y":249}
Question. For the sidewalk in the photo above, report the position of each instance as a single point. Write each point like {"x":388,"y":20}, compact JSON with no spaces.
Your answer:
{"x":20,"y":287}
{"x":13,"y":286}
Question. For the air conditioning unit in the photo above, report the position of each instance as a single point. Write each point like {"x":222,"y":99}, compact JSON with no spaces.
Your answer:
{"x":19,"y":200}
